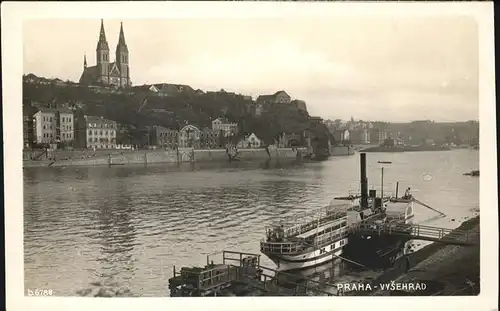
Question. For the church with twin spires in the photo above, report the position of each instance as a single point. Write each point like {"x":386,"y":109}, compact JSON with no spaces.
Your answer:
{"x":104,"y":72}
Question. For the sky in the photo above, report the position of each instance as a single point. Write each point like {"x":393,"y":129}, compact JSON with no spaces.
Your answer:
{"x":371,"y":68}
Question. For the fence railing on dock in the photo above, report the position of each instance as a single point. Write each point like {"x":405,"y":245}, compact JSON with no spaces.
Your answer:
{"x":240,"y":269}
{"x":421,"y":232}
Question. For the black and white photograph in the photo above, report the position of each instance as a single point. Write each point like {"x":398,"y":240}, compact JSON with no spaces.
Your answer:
{"x":325,"y":151}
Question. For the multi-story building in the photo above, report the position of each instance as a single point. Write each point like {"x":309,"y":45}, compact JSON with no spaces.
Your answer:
{"x":53,"y":125}
{"x":250,"y":141}
{"x":224,"y":126}
{"x":28,"y":138}
{"x":100,"y":133}
{"x":375,"y":136}
{"x":279,"y":97}
{"x":342,"y":136}
{"x":65,"y":130}
{"x":382,"y":136}
{"x":163,"y":137}
{"x":364,"y":136}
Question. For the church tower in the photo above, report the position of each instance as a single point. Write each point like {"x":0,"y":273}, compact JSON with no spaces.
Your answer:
{"x":122,"y":59}
{"x":102,"y":53}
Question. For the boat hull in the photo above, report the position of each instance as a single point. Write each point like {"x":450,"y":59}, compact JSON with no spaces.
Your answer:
{"x":312,"y":258}
{"x":374,"y":251}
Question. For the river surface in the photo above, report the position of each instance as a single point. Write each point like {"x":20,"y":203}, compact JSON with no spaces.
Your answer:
{"x":129,"y":225}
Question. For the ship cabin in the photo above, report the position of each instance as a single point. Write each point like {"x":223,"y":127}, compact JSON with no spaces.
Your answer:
{"x":308,"y":231}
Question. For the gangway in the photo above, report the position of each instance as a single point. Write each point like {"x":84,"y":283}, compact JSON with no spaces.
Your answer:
{"x":420,"y":232}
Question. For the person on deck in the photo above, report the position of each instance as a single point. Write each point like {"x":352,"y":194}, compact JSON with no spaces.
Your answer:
{"x":407,"y":194}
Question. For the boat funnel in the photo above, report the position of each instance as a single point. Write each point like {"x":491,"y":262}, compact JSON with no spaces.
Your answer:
{"x":364,"y":181}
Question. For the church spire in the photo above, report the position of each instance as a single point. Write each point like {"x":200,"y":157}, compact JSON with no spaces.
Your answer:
{"x":121,"y":40}
{"x":84,"y":60}
{"x":102,"y":44}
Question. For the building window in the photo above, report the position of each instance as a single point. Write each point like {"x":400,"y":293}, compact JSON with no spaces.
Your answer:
{"x":90,"y":133}
{"x":95,"y":133}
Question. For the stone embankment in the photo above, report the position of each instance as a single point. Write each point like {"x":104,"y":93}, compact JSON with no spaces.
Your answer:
{"x":186,"y":155}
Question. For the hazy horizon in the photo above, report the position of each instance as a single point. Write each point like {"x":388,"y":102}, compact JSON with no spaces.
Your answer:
{"x":371,"y":68}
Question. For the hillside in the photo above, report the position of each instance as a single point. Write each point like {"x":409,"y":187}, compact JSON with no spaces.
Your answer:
{"x":140,"y":108}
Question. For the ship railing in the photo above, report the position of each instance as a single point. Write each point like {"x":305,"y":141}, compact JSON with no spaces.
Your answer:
{"x":282,"y":247}
{"x":292,"y":225}
{"x":388,"y":192}
{"x":331,"y":236}
{"x":290,"y":230}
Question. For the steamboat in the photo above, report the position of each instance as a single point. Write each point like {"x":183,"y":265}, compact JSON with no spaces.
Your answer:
{"x":313,"y":238}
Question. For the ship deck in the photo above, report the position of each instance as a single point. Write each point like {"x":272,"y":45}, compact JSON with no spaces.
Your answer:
{"x":300,"y":223}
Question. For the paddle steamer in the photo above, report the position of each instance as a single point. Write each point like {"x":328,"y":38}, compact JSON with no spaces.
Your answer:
{"x":313,"y":238}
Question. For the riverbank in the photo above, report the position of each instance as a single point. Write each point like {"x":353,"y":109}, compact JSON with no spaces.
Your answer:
{"x":445,"y":269}
{"x":405,"y":149}
{"x":186,"y":155}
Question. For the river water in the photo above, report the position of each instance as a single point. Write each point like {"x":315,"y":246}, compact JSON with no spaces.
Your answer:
{"x":129,"y":225}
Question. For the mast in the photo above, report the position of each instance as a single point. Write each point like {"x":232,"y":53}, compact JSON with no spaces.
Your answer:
{"x":364,"y":181}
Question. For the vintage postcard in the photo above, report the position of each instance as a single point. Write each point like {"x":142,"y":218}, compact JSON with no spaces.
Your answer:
{"x":277,"y":156}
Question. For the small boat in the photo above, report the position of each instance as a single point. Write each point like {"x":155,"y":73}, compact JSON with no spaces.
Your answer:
{"x":473,"y":173}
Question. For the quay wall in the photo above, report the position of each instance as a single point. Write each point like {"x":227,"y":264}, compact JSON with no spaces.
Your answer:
{"x":186,"y":155}
{"x":41,"y":154}
{"x":341,"y":150}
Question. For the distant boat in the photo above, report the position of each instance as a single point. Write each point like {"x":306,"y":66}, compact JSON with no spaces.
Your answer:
{"x":473,"y":173}
{"x":385,"y":162}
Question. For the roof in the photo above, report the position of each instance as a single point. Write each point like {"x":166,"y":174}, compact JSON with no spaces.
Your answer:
{"x":65,"y":110}
{"x":162,"y":128}
{"x":276,"y":94}
{"x":54,"y":110}
{"x":189,"y":126}
{"x":222,"y":120}
{"x":143,"y":87}
{"x":89,"y":75}
{"x":270,"y":97}
{"x":98,"y":120}
{"x":46,"y":110}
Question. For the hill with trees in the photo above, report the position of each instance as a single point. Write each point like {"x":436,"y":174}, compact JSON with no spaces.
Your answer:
{"x":139,"y":108}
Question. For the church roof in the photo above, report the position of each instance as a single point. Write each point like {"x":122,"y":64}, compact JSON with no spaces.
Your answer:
{"x":89,"y":75}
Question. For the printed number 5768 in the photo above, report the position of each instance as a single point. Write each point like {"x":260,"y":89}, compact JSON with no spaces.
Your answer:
{"x":40,"y":292}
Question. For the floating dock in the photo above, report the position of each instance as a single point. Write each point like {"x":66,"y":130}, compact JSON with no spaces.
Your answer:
{"x":240,"y":274}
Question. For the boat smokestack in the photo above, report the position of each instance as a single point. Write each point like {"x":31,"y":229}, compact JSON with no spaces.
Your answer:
{"x":364,"y":181}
